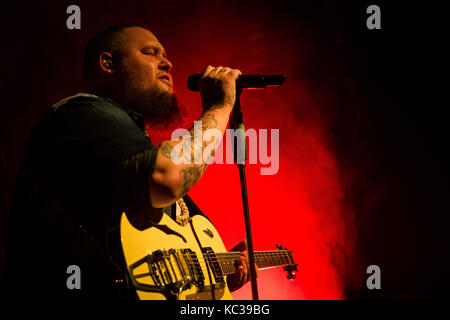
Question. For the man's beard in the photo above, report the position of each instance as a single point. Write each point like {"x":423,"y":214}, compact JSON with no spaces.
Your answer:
{"x":159,"y":108}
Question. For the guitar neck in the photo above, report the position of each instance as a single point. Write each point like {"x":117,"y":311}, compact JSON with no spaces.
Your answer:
{"x":263,"y":259}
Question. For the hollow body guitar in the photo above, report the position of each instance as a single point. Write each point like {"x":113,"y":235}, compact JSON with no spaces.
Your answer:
{"x":170,"y":261}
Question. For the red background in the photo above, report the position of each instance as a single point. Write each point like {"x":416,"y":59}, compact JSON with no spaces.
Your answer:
{"x":302,"y":206}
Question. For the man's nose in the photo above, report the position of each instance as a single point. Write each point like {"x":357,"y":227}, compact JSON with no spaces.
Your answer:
{"x":165,"y":64}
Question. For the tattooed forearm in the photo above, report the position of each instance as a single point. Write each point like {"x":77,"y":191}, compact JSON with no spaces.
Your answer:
{"x":227,"y":99}
{"x":231,"y":97}
{"x":193,"y":151}
{"x":208,"y":121}
{"x":166,"y":150}
{"x":190,"y":175}
{"x":190,"y":147}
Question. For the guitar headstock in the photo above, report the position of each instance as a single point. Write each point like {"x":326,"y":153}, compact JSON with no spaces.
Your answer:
{"x":291,"y":269}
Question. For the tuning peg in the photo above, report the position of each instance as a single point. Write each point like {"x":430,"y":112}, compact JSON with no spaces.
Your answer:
{"x":280,"y":247}
{"x":292,"y":275}
{"x":291,"y":271}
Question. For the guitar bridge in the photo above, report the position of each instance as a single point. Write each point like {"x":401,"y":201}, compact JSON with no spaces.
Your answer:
{"x":167,"y":271}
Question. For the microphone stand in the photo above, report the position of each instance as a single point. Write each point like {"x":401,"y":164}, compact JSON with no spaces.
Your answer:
{"x":240,"y":157}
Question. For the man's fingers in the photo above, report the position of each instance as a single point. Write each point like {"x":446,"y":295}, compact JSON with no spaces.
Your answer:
{"x":206,"y":71}
{"x":225,"y":70}
{"x":215,"y":70}
{"x":235,"y":73}
{"x":210,"y":70}
{"x":241,"y":274}
{"x":218,"y":88}
{"x":244,"y":261}
{"x":245,"y":272}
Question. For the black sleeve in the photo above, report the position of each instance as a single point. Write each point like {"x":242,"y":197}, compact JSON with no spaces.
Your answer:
{"x":78,"y":153}
{"x":136,"y":172}
{"x":100,"y":128}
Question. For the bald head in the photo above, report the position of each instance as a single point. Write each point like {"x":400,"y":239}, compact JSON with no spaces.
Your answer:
{"x":111,"y":40}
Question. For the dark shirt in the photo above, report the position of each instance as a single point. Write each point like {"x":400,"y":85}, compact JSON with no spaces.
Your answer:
{"x":87,"y":161}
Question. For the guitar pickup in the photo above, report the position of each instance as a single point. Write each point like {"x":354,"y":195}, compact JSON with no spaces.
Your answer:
{"x":166,"y":271}
{"x":214,"y":264}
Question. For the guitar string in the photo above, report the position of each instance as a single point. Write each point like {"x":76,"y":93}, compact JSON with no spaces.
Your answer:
{"x":229,"y":259}
{"x":260,"y":255}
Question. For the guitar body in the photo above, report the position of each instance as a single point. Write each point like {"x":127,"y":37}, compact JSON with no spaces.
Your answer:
{"x":161,"y":273}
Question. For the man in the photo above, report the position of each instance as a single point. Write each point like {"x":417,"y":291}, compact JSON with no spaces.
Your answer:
{"x":90,"y":158}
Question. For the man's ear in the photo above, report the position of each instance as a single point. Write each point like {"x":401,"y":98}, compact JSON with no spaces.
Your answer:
{"x":105,"y":61}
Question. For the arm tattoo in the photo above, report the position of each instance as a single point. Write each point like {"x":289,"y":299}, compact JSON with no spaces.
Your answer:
{"x":219,"y":99}
{"x":192,"y":172}
{"x":208,"y":121}
{"x":166,"y":150}
{"x":231,"y":97}
{"x":190,"y":175}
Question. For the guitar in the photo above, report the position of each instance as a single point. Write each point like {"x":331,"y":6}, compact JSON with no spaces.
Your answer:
{"x":170,"y":261}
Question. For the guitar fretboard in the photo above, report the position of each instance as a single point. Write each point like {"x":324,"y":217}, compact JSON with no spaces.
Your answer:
{"x":263,"y":259}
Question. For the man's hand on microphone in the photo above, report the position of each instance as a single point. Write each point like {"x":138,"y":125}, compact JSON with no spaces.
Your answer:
{"x":173,"y":179}
{"x":218,"y":87}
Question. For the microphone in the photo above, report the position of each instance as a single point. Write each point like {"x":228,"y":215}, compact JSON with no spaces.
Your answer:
{"x":253,"y":81}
